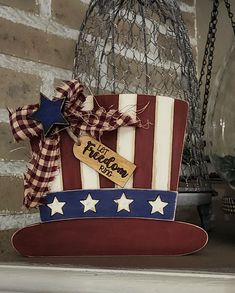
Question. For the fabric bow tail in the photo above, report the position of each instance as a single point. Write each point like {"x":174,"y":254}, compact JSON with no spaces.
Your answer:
{"x":44,"y":164}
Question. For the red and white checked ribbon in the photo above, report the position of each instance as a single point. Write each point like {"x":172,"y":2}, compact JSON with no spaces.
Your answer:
{"x":45,"y":162}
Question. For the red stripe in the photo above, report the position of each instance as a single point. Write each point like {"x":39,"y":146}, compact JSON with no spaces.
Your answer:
{"x":34,"y":142}
{"x":180,"y":119}
{"x":144,"y":142}
{"x":70,"y":165}
{"x":109,"y":138}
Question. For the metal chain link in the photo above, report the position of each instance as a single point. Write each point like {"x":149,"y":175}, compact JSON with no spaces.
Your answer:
{"x":209,"y":55}
{"x":208,"y":60}
{"x":230,"y":14}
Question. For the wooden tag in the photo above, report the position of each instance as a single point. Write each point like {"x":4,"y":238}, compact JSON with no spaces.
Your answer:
{"x":103,"y":160}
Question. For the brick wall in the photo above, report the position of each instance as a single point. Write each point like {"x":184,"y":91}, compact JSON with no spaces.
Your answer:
{"x":37,"y":42}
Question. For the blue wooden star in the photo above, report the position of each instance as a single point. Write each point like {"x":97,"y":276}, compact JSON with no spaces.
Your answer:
{"x":49,"y":114}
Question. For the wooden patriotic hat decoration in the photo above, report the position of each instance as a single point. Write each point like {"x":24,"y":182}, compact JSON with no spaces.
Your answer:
{"x":104,"y":174}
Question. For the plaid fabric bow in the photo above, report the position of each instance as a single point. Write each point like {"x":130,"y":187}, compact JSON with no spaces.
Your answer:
{"x":45,"y":161}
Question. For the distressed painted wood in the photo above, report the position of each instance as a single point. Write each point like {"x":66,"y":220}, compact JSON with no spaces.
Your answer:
{"x":109,"y":203}
{"x":143,"y":146}
{"x":86,"y":237}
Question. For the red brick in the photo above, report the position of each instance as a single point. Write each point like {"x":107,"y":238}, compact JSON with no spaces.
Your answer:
{"x":26,"y":5}
{"x":11,"y":150}
{"x":189,"y":19}
{"x":34,"y":44}
{"x":18,"y":89}
{"x":69,"y":12}
{"x":11,"y":190}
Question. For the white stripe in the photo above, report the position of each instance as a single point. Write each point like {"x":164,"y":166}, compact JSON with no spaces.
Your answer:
{"x":126,"y":135}
{"x":162,"y":143}
{"x":57,"y":184}
{"x":89,"y":177}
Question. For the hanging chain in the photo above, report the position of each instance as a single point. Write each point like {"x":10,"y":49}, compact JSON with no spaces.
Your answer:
{"x":209,"y":55}
{"x":230,"y":14}
{"x":208,"y":60}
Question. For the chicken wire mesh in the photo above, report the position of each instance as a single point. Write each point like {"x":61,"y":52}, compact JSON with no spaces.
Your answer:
{"x":142,"y":46}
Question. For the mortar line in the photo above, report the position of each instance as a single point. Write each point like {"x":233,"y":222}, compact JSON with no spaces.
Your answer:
{"x":17,"y":220}
{"x":12,"y":168}
{"x":4,"y":116}
{"x":42,"y":23}
{"x":186,"y":7}
{"x":45,"y":8}
{"x":31,"y":67}
{"x":47,"y":25}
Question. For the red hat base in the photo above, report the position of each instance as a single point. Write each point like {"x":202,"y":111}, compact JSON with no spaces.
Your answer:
{"x":99,"y":237}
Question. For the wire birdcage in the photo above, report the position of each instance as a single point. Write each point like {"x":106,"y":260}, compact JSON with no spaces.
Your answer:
{"x":142,"y":47}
